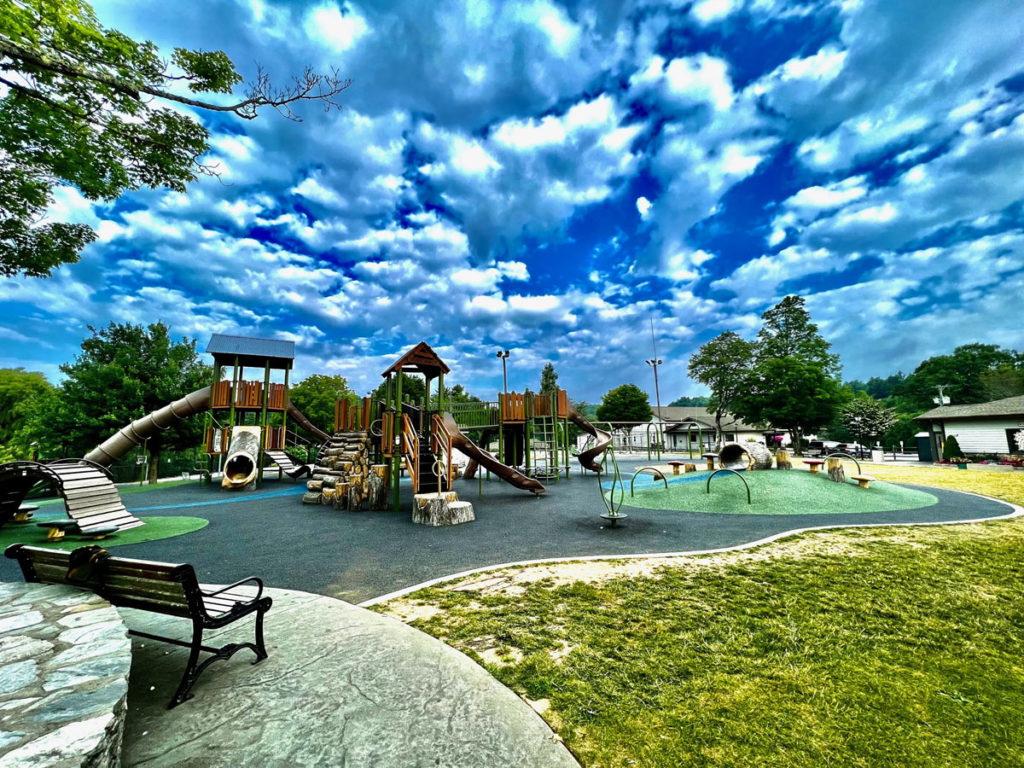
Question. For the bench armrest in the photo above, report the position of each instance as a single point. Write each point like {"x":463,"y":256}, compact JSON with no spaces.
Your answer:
{"x":258,"y":582}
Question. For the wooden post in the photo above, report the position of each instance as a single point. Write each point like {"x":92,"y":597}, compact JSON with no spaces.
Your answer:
{"x":835,"y":470}
{"x":396,"y":468}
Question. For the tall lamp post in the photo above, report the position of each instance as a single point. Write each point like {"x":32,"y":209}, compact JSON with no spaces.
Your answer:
{"x":654,"y":362}
{"x":503,"y":354}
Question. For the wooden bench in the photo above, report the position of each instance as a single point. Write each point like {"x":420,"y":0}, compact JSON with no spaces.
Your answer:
{"x":863,"y":481}
{"x":165,"y":588}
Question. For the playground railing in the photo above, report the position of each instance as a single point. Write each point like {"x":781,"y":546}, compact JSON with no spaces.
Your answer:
{"x":469,"y":415}
{"x":442,"y":445}
{"x":411,"y":449}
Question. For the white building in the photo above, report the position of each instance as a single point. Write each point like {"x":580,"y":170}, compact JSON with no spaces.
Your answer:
{"x":994,"y":427}
{"x":686,"y":429}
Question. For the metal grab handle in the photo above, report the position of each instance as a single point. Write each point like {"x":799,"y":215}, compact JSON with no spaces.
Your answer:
{"x":707,"y":485}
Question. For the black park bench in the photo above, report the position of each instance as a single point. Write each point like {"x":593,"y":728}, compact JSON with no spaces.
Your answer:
{"x":166,"y":588}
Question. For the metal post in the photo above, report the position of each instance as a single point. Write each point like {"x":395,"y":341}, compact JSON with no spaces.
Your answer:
{"x":263,"y":424}
{"x":396,"y":469}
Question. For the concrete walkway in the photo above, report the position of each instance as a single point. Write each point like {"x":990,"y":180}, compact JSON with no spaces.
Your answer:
{"x":343,"y":687}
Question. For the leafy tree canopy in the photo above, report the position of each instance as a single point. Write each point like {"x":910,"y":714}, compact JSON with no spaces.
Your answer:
{"x":1006,"y":380}
{"x":792,"y":394}
{"x":316,"y":395}
{"x":700,"y":401}
{"x":866,"y":419}
{"x":124,"y":372}
{"x":86,"y":106}
{"x":878,"y":387}
{"x":960,"y":374}
{"x":625,"y":403}
{"x":723,"y":364}
{"x":548,"y":379}
{"x":18,"y":389}
{"x":788,"y":332}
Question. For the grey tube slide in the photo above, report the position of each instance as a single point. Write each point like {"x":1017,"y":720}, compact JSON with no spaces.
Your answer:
{"x":126,"y":438}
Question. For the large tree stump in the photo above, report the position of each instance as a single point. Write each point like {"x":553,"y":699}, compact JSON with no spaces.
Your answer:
{"x":341,"y":496}
{"x":431,"y":506}
{"x":782,"y":460}
{"x":835,"y":470}
{"x":438,"y":511}
{"x":377,"y":487}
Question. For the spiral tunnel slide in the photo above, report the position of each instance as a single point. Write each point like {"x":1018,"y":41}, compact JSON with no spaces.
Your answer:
{"x":589,"y":458}
{"x":134,"y":434}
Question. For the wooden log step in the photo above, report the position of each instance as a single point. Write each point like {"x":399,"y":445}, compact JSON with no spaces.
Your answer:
{"x":311,"y":498}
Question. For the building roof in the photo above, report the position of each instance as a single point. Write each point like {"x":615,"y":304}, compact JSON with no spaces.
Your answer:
{"x":421,"y":359}
{"x":706,"y":417}
{"x":251,"y":352}
{"x":1008,"y":406}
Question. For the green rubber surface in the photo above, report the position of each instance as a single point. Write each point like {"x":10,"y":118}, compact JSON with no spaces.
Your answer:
{"x":154,"y":529}
{"x":778,"y":493}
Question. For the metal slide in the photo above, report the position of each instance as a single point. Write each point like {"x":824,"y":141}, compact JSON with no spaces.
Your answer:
{"x":589,"y":457}
{"x":126,"y":438}
{"x":488,"y":459}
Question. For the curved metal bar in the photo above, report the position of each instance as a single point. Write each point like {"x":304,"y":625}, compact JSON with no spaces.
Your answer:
{"x":657,"y":473}
{"x":707,"y":486}
{"x":846,"y":456}
{"x":609,"y":501}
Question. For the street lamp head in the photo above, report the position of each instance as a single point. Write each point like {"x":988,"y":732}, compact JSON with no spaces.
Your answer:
{"x":502,"y":353}
{"x":653,"y":362}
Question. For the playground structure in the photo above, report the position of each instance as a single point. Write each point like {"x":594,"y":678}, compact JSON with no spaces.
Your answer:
{"x":263,"y":409}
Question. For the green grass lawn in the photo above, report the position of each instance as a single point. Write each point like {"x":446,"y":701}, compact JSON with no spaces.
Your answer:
{"x":890,"y":646}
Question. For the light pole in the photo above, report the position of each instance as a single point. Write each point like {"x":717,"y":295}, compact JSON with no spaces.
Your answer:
{"x":654,"y":362}
{"x":503,"y":354}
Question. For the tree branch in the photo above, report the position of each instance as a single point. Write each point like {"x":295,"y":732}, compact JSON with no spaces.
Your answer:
{"x":309,"y":87}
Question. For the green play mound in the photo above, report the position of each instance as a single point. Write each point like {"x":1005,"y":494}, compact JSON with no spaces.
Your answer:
{"x":779,"y":493}
{"x":155,"y":528}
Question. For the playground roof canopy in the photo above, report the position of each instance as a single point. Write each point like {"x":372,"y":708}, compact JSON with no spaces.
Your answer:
{"x":251,"y":352}
{"x":420,"y":359}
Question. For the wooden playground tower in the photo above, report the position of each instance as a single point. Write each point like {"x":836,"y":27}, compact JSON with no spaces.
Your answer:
{"x":256,"y":402}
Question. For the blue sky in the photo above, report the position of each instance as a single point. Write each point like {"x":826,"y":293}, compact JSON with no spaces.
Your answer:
{"x":548,"y":177}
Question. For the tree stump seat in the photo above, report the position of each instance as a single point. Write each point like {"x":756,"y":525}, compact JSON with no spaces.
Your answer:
{"x":864,"y":481}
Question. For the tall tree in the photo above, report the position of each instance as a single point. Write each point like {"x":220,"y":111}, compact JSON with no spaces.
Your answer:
{"x":787,"y":331}
{"x":1006,"y":380}
{"x":124,"y":372}
{"x":18,"y":389}
{"x":84,"y":105}
{"x":548,"y":379}
{"x":959,"y":374}
{"x":316,"y":395}
{"x":627,"y":403}
{"x":723,"y":364}
{"x":791,"y":394}
{"x":866,"y":419}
